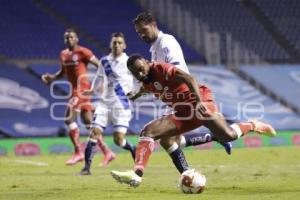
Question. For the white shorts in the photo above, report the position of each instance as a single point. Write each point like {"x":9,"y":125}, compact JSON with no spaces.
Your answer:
{"x":111,"y":113}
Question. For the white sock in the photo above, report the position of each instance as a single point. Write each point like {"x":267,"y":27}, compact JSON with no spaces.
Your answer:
{"x":182,"y":141}
{"x":73,"y":126}
{"x":172,"y":148}
{"x":123,"y":143}
{"x":237,"y":130}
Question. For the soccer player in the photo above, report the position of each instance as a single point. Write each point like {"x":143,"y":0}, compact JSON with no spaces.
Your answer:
{"x":114,"y":105}
{"x":165,"y":48}
{"x":194,"y":107}
{"x":74,"y":60}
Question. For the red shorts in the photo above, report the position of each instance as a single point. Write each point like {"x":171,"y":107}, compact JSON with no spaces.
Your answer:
{"x":186,"y":118}
{"x":78,"y":102}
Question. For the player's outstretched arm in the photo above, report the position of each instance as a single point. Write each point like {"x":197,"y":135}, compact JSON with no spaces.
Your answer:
{"x":100,"y":74}
{"x":48,"y":78}
{"x":95,"y":61}
{"x":137,"y":95}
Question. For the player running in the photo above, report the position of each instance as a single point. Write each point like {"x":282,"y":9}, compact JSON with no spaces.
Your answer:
{"x":193,"y":105}
{"x":114,"y":106}
{"x":74,"y":60}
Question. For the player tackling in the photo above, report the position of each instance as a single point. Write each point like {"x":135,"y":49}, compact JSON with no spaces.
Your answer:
{"x":193,"y":105}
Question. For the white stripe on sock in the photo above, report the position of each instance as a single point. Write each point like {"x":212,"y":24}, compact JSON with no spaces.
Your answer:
{"x":172,"y":148}
{"x":92,"y":140}
{"x":182,"y":141}
{"x":237,"y":129}
{"x":73,"y":126}
{"x":146,"y":139}
{"x":123,"y":143}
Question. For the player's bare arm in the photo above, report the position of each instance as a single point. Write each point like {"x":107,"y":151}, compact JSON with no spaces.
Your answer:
{"x":137,"y":95}
{"x":48,"y":78}
{"x":183,"y":77}
{"x":95,"y":61}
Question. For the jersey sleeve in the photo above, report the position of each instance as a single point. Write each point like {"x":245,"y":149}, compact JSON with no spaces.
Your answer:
{"x":168,"y":71}
{"x":172,"y":52}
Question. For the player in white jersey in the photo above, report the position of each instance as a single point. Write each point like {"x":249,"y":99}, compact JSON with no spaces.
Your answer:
{"x":113,"y":106}
{"x":165,"y":48}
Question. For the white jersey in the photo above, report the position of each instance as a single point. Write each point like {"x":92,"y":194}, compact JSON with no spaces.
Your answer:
{"x":114,"y":106}
{"x":119,"y":80}
{"x":167,"y":49}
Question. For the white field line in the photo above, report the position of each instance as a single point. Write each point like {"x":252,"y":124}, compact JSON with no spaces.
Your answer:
{"x":28,"y":162}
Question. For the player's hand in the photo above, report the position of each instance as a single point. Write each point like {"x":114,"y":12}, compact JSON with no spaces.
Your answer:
{"x":201,"y":110}
{"x":47,"y":78}
{"x":88,"y":92}
{"x":130,"y":96}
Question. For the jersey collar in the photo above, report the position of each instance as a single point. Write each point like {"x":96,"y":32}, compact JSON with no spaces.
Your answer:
{"x":110,"y":56}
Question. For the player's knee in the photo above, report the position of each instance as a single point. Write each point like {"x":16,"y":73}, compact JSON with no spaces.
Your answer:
{"x":68,"y":121}
{"x":87,"y":121}
{"x":228,"y":135}
{"x":147,"y":132}
{"x":166,"y":142}
{"x":95,"y":133}
{"x":118,"y":139}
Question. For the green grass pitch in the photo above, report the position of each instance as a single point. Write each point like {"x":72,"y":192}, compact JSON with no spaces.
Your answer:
{"x":250,"y":173}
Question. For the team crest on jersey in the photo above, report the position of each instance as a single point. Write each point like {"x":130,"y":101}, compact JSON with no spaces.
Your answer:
{"x":157,"y":85}
{"x":75,"y":57}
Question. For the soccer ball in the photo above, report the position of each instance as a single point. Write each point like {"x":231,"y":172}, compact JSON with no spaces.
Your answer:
{"x":192,"y":182}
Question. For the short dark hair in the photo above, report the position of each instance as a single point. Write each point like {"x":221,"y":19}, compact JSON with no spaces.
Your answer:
{"x":132,"y":58}
{"x":71,"y":30}
{"x":118,"y":34}
{"x":144,"y":18}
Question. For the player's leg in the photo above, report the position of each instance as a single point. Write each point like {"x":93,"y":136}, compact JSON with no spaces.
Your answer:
{"x":156,"y":129}
{"x":217,"y":124}
{"x":86,"y":116}
{"x":175,"y":152}
{"x":95,"y":133}
{"x":70,"y":117}
{"x":120,"y":119}
{"x":121,"y":141}
{"x":201,"y":136}
{"x":101,"y":119}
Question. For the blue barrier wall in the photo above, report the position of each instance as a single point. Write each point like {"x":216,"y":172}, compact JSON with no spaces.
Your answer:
{"x":284,"y":80}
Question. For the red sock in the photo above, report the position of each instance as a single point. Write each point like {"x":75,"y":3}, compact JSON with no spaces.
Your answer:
{"x":103,"y":147}
{"x":143,"y":151}
{"x":74,"y":136}
{"x":242,"y":128}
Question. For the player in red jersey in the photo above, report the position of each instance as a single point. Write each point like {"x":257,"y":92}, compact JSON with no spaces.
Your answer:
{"x":74,"y":60}
{"x":193,"y":105}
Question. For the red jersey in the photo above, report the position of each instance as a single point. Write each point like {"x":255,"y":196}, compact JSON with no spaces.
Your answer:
{"x":74,"y":64}
{"x":176,"y":95}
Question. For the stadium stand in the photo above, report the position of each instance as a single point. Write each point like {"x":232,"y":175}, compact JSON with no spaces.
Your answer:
{"x":223,"y":16}
{"x":27,"y":32}
{"x":285,"y":15}
{"x":99,"y":22}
